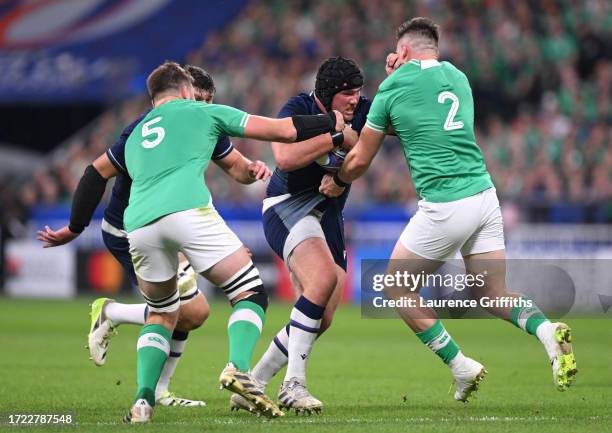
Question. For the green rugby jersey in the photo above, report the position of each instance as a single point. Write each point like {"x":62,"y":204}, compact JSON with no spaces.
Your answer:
{"x":166,"y":156}
{"x":429,"y":105}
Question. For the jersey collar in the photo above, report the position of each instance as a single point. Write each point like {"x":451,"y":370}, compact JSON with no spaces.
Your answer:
{"x":429,"y":63}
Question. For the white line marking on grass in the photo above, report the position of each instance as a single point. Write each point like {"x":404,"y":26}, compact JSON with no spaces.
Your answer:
{"x":321,"y":420}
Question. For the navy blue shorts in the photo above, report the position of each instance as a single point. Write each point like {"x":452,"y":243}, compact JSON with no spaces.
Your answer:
{"x":332,"y":224}
{"x":120,"y":248}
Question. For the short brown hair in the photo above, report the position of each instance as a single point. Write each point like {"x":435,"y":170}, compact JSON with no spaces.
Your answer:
{"x":420,"y":27}
{"x":201,"y":78}
{"x":167,"y":76}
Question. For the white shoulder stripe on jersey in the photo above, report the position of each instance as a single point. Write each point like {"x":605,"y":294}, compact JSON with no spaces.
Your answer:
{"x":244,"y":120}
{"x":375,"y":127}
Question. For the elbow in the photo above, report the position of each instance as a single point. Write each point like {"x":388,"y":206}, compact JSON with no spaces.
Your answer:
{"x":288,"y":134}
{"x":283,"y":162}
{"x":283,"y":159}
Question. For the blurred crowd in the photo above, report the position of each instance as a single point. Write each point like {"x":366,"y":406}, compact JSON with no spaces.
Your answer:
{"x":540,"y":71}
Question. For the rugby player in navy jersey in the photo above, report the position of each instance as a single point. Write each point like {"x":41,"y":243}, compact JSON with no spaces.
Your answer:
{"x":106,"y":314}
{"x":306,"y":229}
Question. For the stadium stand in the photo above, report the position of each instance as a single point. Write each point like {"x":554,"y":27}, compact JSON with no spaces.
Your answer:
{"x":541,"y":74}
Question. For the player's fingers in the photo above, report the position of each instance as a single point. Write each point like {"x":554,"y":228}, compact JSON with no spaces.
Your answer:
{"x":43,"y":236}
{"x":323,"y":190}
{"x":261,"y":169}
{"x":50,"y":231}
{"x":267,"y":175}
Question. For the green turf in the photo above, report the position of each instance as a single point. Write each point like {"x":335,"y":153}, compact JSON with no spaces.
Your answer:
{"x":372,"y":375}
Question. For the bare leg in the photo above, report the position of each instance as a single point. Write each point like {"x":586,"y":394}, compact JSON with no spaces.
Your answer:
{"x":491,"y":267}
{"x":403,"y":260}
{"x":424,"y":322}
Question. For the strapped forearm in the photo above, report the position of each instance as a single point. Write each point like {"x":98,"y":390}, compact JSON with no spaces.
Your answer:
{"x":86,"y":198}
{"x":308,"y":126}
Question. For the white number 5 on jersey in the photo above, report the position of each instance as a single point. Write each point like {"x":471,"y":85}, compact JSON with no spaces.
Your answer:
{"x":147,"y":131}
{"x":450,"y":124}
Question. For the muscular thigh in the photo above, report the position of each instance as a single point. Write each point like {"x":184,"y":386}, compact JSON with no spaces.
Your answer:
{"x":405,"y":261}
{"x":312,"y":265}
{"x":332,"y":224}
{"x":205,"y":238}
{"x":220,"y":272}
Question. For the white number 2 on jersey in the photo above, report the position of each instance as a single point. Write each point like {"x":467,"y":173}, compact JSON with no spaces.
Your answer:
{"x":450,"y":124}
{"x":147,"y":131}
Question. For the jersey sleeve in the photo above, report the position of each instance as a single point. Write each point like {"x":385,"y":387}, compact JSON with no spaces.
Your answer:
{"x":228,"y":120}
{"x":293,"y":107}
{"x":116,"y":153}
{"x":378,"y":117}
{"x":223,"y":148}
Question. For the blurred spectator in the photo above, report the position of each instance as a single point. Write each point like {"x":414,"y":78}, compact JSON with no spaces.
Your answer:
{"x":540,"y":73}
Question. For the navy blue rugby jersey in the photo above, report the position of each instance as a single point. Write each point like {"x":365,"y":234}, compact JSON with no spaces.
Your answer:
{"x":120,"y":195}
{"x":303,"y":183}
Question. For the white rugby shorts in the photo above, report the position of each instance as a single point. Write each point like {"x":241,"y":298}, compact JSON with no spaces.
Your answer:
{"x":200,"y":234}
{"x":470,"y":225}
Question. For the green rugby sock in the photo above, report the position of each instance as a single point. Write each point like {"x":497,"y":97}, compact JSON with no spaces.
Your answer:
{"x":439,"y":340}
{"x":244,"y":328}
{"x":527,"y":318}
{"x":152,"y":351}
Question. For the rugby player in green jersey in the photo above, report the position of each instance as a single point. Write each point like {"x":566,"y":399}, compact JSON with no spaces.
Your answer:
{"x":429,"y":106}
{"x":170,"y":210}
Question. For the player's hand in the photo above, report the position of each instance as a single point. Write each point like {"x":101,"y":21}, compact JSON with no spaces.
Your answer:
{"x":350,"y":139}
{"x":339,"y":121}
{"x":258,"y":170}
{"x":393,"y":62}
{"x":52,"y":238}
{"x":329,"y":188}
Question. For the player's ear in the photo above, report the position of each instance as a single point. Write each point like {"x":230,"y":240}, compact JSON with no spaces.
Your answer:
{"x":404,"y":53}
{"x":187,"y":92}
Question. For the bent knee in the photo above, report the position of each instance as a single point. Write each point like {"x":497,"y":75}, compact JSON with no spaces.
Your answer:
{"x":325,"y":277}
{"x":193,"y":314}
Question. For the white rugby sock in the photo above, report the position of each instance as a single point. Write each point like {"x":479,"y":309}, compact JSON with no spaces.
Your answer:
{"x":304,"y":328}
{"x":274,"y":359}
{"x":177,"y":346}
{"x":546,"y":334}
{"x":119,"y":313}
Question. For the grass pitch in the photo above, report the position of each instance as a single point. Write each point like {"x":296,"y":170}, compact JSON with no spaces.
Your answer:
{"x":372,"y":375}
